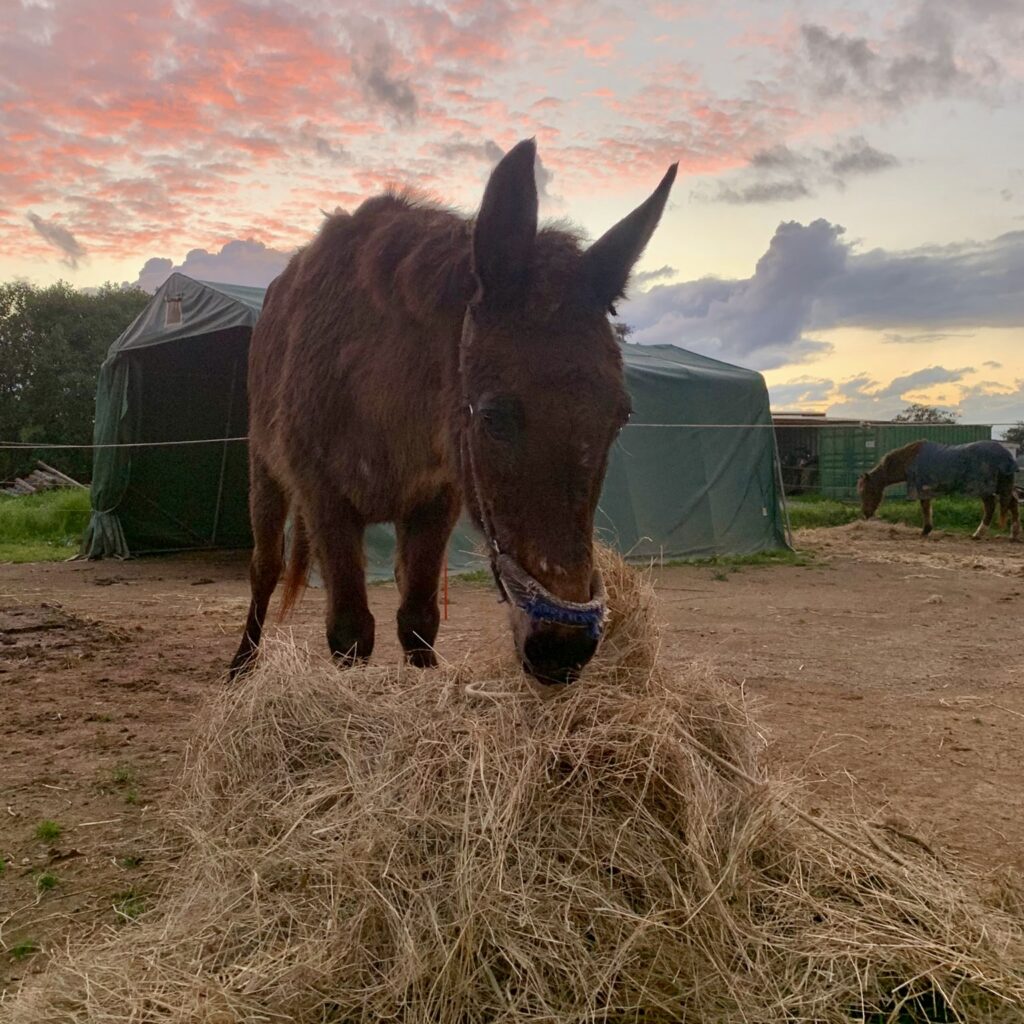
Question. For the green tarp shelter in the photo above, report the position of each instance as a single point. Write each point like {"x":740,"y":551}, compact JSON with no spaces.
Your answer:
{"x":673,"y":489}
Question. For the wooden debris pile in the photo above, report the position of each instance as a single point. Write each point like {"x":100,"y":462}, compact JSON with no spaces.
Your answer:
{"x":45,"y":478}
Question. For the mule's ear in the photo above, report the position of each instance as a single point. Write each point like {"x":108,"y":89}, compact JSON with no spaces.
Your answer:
{"x":506,"y":227}
{"x":608,"y":262}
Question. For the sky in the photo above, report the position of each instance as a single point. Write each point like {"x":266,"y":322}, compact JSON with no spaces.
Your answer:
{"x":848,"y":218}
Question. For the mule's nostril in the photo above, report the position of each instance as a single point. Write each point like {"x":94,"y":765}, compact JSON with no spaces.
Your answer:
{"x":557,"y":656}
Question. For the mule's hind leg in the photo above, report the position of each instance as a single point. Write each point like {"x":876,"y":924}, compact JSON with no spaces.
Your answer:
{"x":422,"y":543}
{"x":337,"y":529}
{"x":990,"y":510}
{"x":268,"y":508}
{"x":926,"y":515}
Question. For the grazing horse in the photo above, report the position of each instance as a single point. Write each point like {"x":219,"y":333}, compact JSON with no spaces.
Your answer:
{"x":982,"y":468}
{"x":409,"y":362}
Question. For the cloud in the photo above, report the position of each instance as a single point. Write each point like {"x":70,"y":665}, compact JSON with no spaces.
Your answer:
{"x":992,"y":364}
{"x":941,"y":49}
{"x":647,"y":276}
{"x":763,"y":192}
{"x":921,"y":338}
{"x":861,"y":397}
{"x":810,"y":279}
{"x":758,"y":321}
{"x":488,"y":151}
{"x":238,"y":262}
{"x":373,"y":57}
{"x":801,"y":391}
{"x":919,"y":380}
{"x":934,"y":287}
{"x":781,"y":174}
{"x":60,"y":238}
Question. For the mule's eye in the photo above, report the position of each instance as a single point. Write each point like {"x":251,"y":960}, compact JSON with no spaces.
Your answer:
{"x":501,"y":418}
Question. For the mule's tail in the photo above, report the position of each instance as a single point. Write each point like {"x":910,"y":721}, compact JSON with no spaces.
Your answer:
{"x":297,"y":569}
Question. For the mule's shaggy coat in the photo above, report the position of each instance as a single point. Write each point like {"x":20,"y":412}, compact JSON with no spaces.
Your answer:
{"x":384,"y":845}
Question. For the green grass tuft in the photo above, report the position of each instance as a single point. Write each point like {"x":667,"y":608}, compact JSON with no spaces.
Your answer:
{"x":46,"y":881}
{"x":48,"y":831}
{"x":129,"y":905}
{"x":23,"y":949}
{"x":42,"y":527}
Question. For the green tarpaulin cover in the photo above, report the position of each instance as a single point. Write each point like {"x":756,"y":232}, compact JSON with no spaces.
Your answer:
{"x":178,"y":374}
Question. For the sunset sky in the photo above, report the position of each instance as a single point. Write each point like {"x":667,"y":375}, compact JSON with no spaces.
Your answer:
{"x":849,"y":215}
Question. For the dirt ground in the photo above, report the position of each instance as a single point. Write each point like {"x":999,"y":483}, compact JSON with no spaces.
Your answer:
{"x":888,"y":670}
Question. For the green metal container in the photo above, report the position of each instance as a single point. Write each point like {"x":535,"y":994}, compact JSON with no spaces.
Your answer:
{"x":844,"y":452}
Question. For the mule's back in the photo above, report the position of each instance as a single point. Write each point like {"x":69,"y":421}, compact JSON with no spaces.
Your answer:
{"x":348,"y":360}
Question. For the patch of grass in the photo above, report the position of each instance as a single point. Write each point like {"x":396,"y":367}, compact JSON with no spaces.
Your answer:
{"x":130,"y":861}
{"x":25,"y":948}
{"x":781,"y":556}
{"x":48,"y":831}
{"x":42,"y":527}
{"x":46,"y":881}
{"x":954,"y":513}
{"x":475,"y":576}
{"x":124,"y":774}
{"x":811,"y":511}
{"x":3,"y":866}
{"x":131,"y":796}
{"x":129,"y":905}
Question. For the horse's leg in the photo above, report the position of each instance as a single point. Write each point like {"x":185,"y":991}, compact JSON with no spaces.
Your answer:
{"x":268,"y":509}
{"x":926,"y":515}
{"x":989,"y":501}
{"x":1011,"y":507}
{"x":422,"y":542}
{"x":337,"y":529}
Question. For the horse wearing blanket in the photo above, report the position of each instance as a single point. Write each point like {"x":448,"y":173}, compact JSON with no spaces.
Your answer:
{"x":982,"y":468}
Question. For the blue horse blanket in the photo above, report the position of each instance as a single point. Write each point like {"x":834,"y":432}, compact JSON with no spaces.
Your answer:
{"x":973,"y":468}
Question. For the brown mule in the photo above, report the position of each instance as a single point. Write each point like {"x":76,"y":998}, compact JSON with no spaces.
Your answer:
{"x":408,"y":361}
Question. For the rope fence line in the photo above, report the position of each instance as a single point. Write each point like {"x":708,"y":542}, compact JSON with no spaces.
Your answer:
{"x":34,"y":445}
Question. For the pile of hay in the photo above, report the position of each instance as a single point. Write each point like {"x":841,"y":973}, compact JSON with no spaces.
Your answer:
{"x":447,"y":847}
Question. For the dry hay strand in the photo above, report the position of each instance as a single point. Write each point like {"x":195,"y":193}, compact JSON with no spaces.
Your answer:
{"x":382,"y":844}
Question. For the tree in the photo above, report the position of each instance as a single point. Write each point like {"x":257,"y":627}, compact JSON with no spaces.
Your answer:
{"x":622,"y":331}
{"x":1015,"y":434}
{"x":918,"y":413}
{"x":52,"y":341}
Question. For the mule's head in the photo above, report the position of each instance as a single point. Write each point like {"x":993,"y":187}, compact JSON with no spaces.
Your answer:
{"x":543,"y":398}
{"x":870,"y":489}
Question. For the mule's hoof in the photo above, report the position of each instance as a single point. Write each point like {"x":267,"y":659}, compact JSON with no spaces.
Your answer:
{"x":421,"y":658}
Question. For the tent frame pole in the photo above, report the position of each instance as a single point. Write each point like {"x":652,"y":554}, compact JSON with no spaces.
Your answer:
{"x":224,"y":453}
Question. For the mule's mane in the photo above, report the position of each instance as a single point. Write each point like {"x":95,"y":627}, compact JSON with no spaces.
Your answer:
{"x":408,"y":252}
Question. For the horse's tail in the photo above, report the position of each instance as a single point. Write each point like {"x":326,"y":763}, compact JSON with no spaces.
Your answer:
{"x":297,"y":569}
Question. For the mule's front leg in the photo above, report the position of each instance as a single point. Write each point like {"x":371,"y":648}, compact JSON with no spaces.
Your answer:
{"x":422,"y":545}
{"x":986,"y":520}
{"x":339,"y":532}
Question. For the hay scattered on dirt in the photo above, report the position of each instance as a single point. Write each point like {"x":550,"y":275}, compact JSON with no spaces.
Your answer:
{"x":384,"y":844}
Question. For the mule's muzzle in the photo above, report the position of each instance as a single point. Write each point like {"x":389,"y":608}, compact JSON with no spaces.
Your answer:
{"x":556,"y":655}
{"x":555,"y":638}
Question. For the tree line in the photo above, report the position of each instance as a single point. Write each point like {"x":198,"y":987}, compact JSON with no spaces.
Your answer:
{"x":52,"y":342}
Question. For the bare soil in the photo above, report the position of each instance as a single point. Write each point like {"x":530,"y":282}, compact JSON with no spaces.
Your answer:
{"x":888,"y":671}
